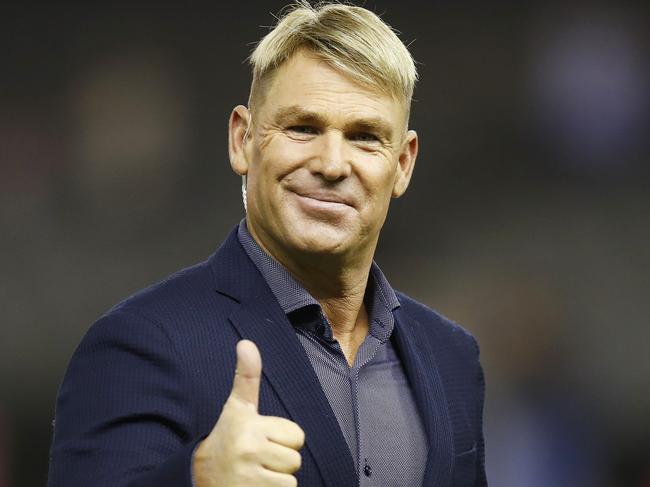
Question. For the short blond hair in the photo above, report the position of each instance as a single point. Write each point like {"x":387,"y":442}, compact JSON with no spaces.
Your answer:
{"x":353,"y":40}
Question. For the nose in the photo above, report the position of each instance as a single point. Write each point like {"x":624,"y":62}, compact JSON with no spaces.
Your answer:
{"x":331,"y":162}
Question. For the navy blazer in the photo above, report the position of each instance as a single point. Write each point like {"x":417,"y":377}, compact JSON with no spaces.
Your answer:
{"x":150,"y":377}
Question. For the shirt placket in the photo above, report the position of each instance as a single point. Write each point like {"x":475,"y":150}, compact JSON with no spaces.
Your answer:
{"x":364,"y":356}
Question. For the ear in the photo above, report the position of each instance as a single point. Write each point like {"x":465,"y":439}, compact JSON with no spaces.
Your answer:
{"x":238,"y":128}
{"x":405,"y":163}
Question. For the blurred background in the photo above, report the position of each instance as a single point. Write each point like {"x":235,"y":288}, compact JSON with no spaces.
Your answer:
{"x":531,"y":200}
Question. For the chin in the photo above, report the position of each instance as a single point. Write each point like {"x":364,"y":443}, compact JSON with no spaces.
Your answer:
{"x":321,"y":239}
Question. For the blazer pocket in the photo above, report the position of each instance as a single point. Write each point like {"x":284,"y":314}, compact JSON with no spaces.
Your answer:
{"x":465,"y":468}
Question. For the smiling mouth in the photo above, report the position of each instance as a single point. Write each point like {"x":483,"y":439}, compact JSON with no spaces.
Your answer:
{"x":324,"y":197}
{"x":325,"y":202}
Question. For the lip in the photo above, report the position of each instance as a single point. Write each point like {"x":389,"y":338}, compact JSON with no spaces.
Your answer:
{"x":326,"y":197}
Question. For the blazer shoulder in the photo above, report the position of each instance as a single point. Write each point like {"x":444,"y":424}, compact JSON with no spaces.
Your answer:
{"x":182,"y":299}
{"x":435,"y":324}
{"x":175,"y":287}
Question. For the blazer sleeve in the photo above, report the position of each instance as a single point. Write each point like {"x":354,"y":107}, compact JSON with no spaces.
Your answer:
{"x":123,"y":416}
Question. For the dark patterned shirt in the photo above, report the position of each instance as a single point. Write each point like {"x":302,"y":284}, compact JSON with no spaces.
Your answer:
{"x":372,"y":400}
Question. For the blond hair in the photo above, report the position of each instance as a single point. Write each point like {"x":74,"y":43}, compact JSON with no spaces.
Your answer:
{"x":351,"y":39}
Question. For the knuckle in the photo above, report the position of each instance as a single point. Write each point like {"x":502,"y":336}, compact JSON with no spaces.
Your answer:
{"x":246,"y":448}
{"x":286,"y":481}
{"x":300,"y":436}
{"x":296,"y":460}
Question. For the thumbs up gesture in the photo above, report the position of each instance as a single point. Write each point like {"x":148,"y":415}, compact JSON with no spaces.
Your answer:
{"x":245,"y":448}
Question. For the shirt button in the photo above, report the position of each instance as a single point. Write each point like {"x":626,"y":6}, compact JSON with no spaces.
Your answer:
{"x":367,"y":469}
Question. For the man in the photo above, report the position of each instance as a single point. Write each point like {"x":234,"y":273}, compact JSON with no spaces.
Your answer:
{"x":287,"y":358}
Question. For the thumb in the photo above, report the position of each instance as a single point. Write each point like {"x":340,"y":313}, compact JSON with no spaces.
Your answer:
{"x":246,"y":384}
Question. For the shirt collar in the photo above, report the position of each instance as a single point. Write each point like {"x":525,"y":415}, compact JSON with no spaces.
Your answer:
{"x":380,"y":298}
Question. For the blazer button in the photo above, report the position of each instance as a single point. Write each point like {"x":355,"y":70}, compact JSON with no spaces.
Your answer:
{"x":367,"y":469}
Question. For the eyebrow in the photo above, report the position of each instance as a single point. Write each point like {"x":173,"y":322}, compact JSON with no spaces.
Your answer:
{"x":298,"y":114}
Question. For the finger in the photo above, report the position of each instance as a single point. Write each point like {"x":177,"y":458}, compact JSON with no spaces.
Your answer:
{"x":283,"y":432}
{"x":280,"y":459}
{"x":246,"y":384}
{"x":278,"y":479}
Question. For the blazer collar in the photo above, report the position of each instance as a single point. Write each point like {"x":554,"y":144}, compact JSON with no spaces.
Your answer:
{"x":422,"y":371}
{"x":285,"y":365}
{"x":232,"y":271}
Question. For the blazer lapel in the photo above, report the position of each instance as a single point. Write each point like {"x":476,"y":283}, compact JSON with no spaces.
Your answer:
{"x":420,"y":366}
{"x":260,"y":319}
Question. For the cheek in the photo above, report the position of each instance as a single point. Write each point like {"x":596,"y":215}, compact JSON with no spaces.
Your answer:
{"x":279,"y":158}
{"x":377,"y":177}
{"x":265,"y":180}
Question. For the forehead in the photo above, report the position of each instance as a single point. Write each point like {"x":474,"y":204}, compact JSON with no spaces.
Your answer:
{"x":307,"y":81}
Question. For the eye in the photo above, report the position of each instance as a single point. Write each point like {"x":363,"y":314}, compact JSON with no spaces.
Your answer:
{"x":303,"y":129}
{"x":364,"y":137}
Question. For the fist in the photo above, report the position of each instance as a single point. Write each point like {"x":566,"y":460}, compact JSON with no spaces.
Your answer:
{"x":245,"y":448}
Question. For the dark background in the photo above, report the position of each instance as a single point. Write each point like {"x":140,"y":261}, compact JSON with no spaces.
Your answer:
{"x":530,"y":202}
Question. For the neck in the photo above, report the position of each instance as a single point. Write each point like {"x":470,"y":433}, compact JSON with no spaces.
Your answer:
{"x":337,"y":282}
{"x":341,"y":297}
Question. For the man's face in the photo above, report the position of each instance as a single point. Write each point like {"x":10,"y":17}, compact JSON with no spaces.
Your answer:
{"x":323,"y":158}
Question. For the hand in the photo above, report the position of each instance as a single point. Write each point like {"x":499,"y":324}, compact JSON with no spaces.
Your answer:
{"x":245,"y":448}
